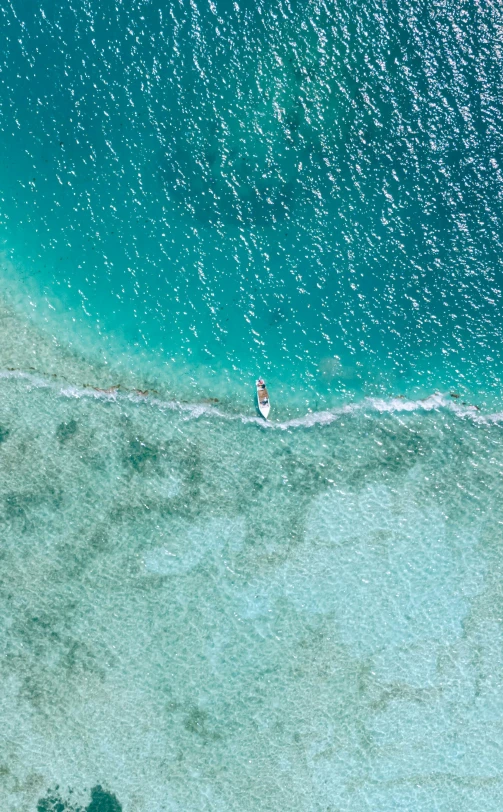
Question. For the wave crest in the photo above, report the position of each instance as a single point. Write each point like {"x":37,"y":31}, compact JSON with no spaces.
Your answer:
{"x":393,"y":405}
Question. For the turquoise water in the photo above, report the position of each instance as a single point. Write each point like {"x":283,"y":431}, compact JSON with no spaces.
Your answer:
{"x":314,"y":191}
{"x":202,"y":611}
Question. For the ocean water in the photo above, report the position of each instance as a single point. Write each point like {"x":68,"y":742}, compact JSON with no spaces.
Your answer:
{"x":201,"y":611}
{"x":198,"y":190}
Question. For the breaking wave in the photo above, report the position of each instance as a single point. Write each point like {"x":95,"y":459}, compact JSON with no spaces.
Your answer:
{"x":394,"y":405}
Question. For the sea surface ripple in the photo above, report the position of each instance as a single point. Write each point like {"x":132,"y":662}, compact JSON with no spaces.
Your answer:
{"x":208,"y":190}
{"x":202,"y":611}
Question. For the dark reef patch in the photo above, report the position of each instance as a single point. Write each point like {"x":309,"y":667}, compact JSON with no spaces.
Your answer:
{"x":66,"y":430}
{"x":101,"y":801}
{"x":197,"y":722}
{"x":191,"y":468}
{"x":4,"y":433}
{"x":18,"y":507}
{"x":54,"y":803}
{"x":139,"y":454}
{"x":15,"y":505}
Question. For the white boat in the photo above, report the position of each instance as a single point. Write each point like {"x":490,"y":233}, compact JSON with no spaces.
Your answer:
{"x":263,"y":399}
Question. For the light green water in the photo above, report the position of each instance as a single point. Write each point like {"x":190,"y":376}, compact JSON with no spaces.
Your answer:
{"x":202,"y":613}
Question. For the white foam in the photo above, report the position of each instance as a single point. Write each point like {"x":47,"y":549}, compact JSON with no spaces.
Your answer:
{"x":91,"y":392}
{"x":393,"y":405}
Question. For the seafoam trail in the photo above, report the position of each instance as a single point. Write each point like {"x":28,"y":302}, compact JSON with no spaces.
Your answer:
{"x":192,"y":411}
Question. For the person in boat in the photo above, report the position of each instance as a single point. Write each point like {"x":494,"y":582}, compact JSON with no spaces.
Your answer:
{"x":261,"y":383}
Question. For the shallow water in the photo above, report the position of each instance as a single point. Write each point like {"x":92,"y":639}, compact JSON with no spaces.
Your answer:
{"x":204,"y":614}
{"x":202,"y":611}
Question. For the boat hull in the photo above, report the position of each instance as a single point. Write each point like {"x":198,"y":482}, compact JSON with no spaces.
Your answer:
{"x":264,"y":405}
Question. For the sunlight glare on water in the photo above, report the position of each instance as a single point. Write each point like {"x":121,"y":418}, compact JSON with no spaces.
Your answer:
{"x":309,"y":190}
{"x":203,"y":611}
